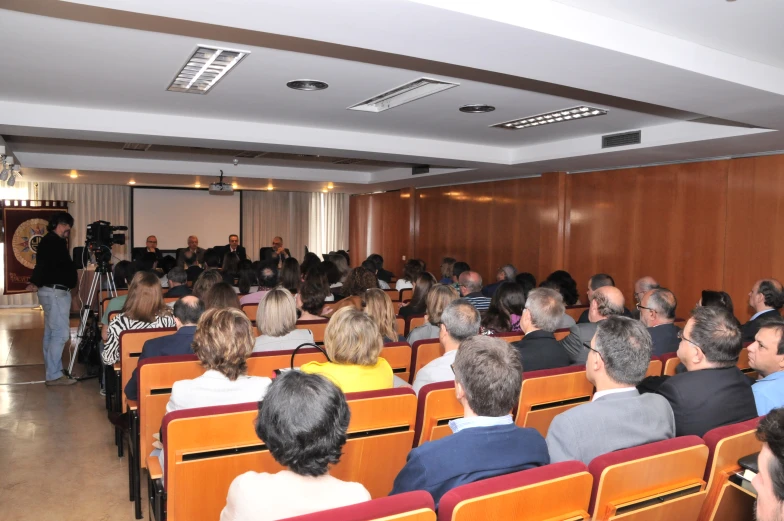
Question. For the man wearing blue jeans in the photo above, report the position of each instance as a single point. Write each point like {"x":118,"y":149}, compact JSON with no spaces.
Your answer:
{"x":53,"y":278}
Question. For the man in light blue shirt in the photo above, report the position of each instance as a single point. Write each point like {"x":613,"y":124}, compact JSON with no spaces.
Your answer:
{"x":766,"y":356}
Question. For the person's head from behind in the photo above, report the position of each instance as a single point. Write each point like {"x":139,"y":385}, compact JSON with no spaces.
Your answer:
{"x":246,"y":278}
{"x":341,"y":265}
{"x":352,"y":338}
{"x":527,"y":281}
{"x":508,"y":300}
{"x":412,"y":270}
{"x":657,"y":307}
{"x":223,"y":341}
{"x":190,"y":259}
{"x":359,"y":280}
{"x":221,"y":296}
{"x":769,"y":481}
{"x":566,"y":285}
{"x":345,"y":255}
{"x":599,"y":280}
{"x":543,"y":310}
{"x":177,"y":277}
{"x":605,"y":302}
{"x":268,"y":275}
{"x":488,"y":376}
{"x":507,"y":272}
{"x":60,"y":223}
{"x":145,"y":298}
{"x":123,"y":273}
{"x":620,"y":353}
{"x":438,"y":298}
{"x":422,"y":286}
{"x":277,"y":313}
{"x":369,"y":265}
{"x":379,"y":307}
{"x":313,"y":293}
{"x":720,"y":299}
{"x":470,"y":282}
{"x":711,"y":339}
{"x":459,"y":320}
{"x":330,"y":270}
{"x":766,"y":353}
{"x":457,"y":269}
{"x":309,"y":261}
{"x":303,"y":421}
{"x":212,"y":259}
{"x":167,"y":263}
{"x":642,"y":286}
{"x":377,"y":260}
{"x":187,"y":311}
{"x":766,"y":294}
{"x":206,"y":281}
{"x":447,"y":263}
{"x":231,"y":263}
{"x":290,"y":277}
{"x":147,"y":261}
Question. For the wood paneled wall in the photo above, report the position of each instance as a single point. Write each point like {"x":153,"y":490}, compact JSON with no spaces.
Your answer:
{"x":692,"y":226}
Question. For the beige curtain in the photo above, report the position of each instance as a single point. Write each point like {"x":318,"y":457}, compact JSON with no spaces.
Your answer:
{"x":328,"y":222}
{"x":267,"y":214}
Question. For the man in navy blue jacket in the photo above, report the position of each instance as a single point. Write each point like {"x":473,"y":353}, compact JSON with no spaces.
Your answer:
{"x":187,"y":312}
{"x":485,"y":442}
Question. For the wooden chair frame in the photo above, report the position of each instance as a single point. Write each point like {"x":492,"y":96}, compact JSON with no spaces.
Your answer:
{"x":317,"y":327}
{"x":437,"y":405}
{"x":422,"y":353}
{"x":545,"y":394}
{"x":398,"y":354}
{"x":250,"y":311}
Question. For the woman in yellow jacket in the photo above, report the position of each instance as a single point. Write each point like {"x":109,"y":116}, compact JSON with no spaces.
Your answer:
{"x":353,"y":342}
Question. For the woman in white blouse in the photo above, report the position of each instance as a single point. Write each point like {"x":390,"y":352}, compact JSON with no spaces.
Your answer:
{"x":276,"y":318}
{"x":411,"y":271}
{"x":303,"y":421}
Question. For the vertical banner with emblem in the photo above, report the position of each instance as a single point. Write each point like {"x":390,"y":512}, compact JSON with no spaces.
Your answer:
{"x":25,"y":226}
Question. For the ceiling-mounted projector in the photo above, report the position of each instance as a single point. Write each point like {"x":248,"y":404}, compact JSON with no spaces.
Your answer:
{"x":221,"y":188}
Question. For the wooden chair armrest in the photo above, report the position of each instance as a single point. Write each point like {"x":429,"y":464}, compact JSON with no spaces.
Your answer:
{"x":132,"y":404}
{"x":154,"y":467}
{"x":117,"y":366}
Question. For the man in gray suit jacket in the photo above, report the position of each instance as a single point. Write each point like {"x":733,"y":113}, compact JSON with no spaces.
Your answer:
{"x":618,"y":417}
{"x":605,"y":302}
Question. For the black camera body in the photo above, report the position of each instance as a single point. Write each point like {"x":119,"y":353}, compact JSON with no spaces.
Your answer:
{"x":101,"y":238}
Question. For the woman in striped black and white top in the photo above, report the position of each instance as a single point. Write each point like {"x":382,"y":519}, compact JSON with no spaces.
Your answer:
{"x":144,"y":309}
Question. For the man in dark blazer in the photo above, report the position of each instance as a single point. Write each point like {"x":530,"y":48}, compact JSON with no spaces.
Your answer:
{"x":657,"y":313}
{"x":193,"y":248}
{"x":486,"y":442}
{"x":187,"y":312}
{"x":712,"y":392}
{"x":605,"y":302}
{"x":539,"y":349}
{"x":151,"y":246}
{"x":178,"y":286}
{"x":766,"y":299}
{"x":600,"y":280}
{"x":234,"y":247}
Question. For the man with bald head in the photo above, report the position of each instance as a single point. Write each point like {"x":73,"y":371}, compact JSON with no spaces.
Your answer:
{"x":766,"y":299}
{"x":657,"y":313}
{"x":193,"y":248}
{"x":641,"y":287}
{"x":471,"y":290}
{"x":599,"y":280}
{"x":605,"y":302}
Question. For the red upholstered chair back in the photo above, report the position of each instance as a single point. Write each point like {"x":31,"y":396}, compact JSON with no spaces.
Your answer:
{"x":436,"y":405}
{"x":422,"y":353}
{"x":549,"y":392}
{"x":661,"y":480}
{"x":560,"y":491}
{"x":410,"y":506}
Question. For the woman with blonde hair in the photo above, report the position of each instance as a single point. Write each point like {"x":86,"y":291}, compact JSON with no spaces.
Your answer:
{"x":276,"y":318}
{"x":353,"y":343}
{"x":438,"y":298}
{"x":378,"y":306}
{"x":143,"y":309}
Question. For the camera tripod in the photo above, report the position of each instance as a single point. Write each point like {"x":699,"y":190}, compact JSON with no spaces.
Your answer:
{"x":87,"y":334}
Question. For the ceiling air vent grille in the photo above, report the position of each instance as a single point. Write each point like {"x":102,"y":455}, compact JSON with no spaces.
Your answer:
{"x":250,"y":154}
{"x":623,"y":139}
{"x":346,"y":161}
{"x":136,"y":147}
{"x":205,"y":68}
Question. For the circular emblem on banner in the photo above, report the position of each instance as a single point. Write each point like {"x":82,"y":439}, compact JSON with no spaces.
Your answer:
{"x":27,"y":237}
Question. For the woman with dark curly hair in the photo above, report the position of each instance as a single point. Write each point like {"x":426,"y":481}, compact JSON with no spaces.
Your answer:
{"x":566,"y":285}
{"x":411,"y":271}
{"x":303,"y":422}
{"x":359,"y":280}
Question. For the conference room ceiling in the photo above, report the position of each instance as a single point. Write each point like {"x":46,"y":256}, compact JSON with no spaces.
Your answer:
{"x":81,"y":80}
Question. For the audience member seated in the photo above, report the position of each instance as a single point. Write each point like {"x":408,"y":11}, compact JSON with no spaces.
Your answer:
{"x":720,"y":299}
{"x":343,"y":270}
{"x":330,"y":270}
{"x":618,"y":417}
{"x":642,"y":286}
{"x":418,"y":304}
{"x":178,"y":283}
{"x":123,"y":272}
{"x":221,"y":296}
{"x":657,"y":313}
{"x":193,"y":250}
{"x":371,"y":267}
{"x":303,"y":422}
{"x":234,"y":248}
{"x":147,"y":261}
{"x":213,"y":260}
{"x":506,"y":308}
{"x":382,"y":274}
{"x":566,"y":321}
{"x":268,"y":279}
{"x":769,"y":482}
{"x":713,"y":391}
{"x":471,"y":290}
{"x":566,"y":285}
{"x":290,"y":277}
{"x":128,"y":272}
{"x":766,"y":299}
{"x":378,"y":306}
{"x":309,"y":261}
{"x":527,"y":281}
{"x":459,"y":322}
{"x":276,"y":319}
{"x":539,"y":349}
{"x":505,"y":273}
{"x":165,"y":265}
{"x":191,"y":266}
{"x":605,"y":302}
{"x":311,"y":297}
{"x":277,"y":253}
{"x":458,"y":268}
{"x":411,"y":271}
{"x":187,"y":312}
{"x":357,"y":283}
{"x":485,"y":442}
{"x":151,"y":246}
{"x":766,"y":356}
{"x":599,"y":280}
{"x":143,"y":309}
{"x":438,"y":298}
{"x":205,"y":282}
{"x":353,"y":344}
{"x":230,"y":268}
{"x":247,"y":280}
{"x":447,"y":263}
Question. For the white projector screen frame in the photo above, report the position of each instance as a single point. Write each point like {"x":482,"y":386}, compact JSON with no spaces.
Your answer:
{"x":172,"y":214}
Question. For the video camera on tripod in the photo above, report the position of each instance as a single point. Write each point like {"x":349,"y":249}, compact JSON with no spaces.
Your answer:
{"x":101,"y":238}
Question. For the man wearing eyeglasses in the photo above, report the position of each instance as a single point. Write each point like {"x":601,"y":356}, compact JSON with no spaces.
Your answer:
{"x":657,"y":313}
{"x":713,"y":391}
{"x":605,"y":302}
{"x":766,"y":298}
{"x":641,"y":287}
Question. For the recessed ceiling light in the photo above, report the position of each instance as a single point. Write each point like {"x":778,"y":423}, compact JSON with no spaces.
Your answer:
{"x":411,"y":91}
{"x":307,"y":85}
{"x":234,"y":185}
{"x":325,"y":190}
{"x":330,"y":186}
{"x":269,"y":188}
{"x":206,"y":66}
{"x":478,"y":108}
{"x":74,"y":174}
{"x":131,"y":182}
{"x":197,"y":185}
{"x":574,"y":113}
